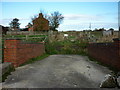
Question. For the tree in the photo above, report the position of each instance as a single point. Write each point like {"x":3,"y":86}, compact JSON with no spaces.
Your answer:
{"x":34,"y":17}
{"x":15,"y":25}
{"x":55,"y":19}
{"x":29,"y":25}
{"x":45,"y":15}
{"x":111,"y":29}
{"x":101,"y":29}
{"x":96,"y":29}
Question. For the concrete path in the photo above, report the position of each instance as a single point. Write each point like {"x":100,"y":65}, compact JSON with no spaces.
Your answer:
{"x":58,"y":71}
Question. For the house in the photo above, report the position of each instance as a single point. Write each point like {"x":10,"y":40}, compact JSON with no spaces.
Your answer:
{"x":30,"y":29}
{"x":40,"y":24}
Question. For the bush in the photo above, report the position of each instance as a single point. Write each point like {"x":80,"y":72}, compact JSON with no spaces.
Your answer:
{"x":66,"y":47}
{"x":49,"y":48}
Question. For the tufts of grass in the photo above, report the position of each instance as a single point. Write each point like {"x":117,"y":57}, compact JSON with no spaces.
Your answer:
{"x":8,"y":36}
{"x":32,"y":60}
{"x":66,"y":47}
{"x":38,"y":35}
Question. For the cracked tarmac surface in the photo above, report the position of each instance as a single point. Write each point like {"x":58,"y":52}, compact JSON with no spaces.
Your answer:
{"x":58,"y":71}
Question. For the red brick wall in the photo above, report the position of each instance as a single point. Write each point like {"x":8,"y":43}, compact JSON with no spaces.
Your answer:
{"x":107,"y":53}
{"x":17,"y":52}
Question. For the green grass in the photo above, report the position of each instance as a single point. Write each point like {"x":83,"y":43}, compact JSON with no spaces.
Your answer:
{"x":9,"y":36}
{"x":97,"y":33}
{"x":66,"y":47}
{"x":38,"y":35}
{"x":30,"y":38}
{"x":19,"y":36}
{"x":2,"y":51}
{"x":33,"y":40}
{"x":32,"y":60}
{"x":71,"y":37}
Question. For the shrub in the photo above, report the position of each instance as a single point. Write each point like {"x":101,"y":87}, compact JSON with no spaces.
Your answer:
{"x":66,"y":47}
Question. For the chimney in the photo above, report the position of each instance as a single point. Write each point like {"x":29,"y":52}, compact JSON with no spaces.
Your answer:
{"x":40,"y":15}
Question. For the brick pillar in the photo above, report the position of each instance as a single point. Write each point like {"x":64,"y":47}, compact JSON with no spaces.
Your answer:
{"x":117,"y":44}
{"x":10,"y":51}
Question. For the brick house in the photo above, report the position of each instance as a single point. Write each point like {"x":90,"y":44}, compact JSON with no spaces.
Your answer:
{"x":40,"y":24}
{"x":30,"y":29}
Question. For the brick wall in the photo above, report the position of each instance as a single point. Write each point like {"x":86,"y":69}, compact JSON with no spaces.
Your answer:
{"x":107,"y":53}
{"x":17,"y":52}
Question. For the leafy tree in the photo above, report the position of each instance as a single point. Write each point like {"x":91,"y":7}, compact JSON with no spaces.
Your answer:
{"x":15,"y":25}
{"x":101,"y":29}
{"x":111,"y":29}
{"x":96,"y":29}
{"x":34,"y":17}
{"x":45,"y":15}
{"x":55,"y":19}
{"x":29,"y":25}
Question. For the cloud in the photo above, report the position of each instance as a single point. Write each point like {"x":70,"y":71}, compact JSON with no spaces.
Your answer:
{"x":85,"y":26}
{"x":76,"y":19}
{"x":83,"y":17}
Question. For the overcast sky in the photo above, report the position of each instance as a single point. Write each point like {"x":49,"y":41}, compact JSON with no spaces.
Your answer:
{"x":78,"y":15}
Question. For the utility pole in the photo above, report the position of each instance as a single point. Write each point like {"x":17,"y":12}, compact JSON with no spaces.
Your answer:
{"x":90,"y":26}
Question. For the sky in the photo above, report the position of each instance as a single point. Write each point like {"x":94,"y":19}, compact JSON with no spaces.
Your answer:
{"x":77,"y":15}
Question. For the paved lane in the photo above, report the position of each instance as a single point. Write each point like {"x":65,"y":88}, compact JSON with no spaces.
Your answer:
{"x":58,"y":71}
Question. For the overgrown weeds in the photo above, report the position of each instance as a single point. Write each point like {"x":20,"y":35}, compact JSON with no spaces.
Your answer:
{"x":66,"y":47}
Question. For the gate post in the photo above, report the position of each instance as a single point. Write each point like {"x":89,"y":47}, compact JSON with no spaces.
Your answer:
{"x":10,"y":51}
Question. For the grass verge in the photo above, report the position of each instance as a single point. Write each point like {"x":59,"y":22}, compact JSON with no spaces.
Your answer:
{"x":32,"y":60}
